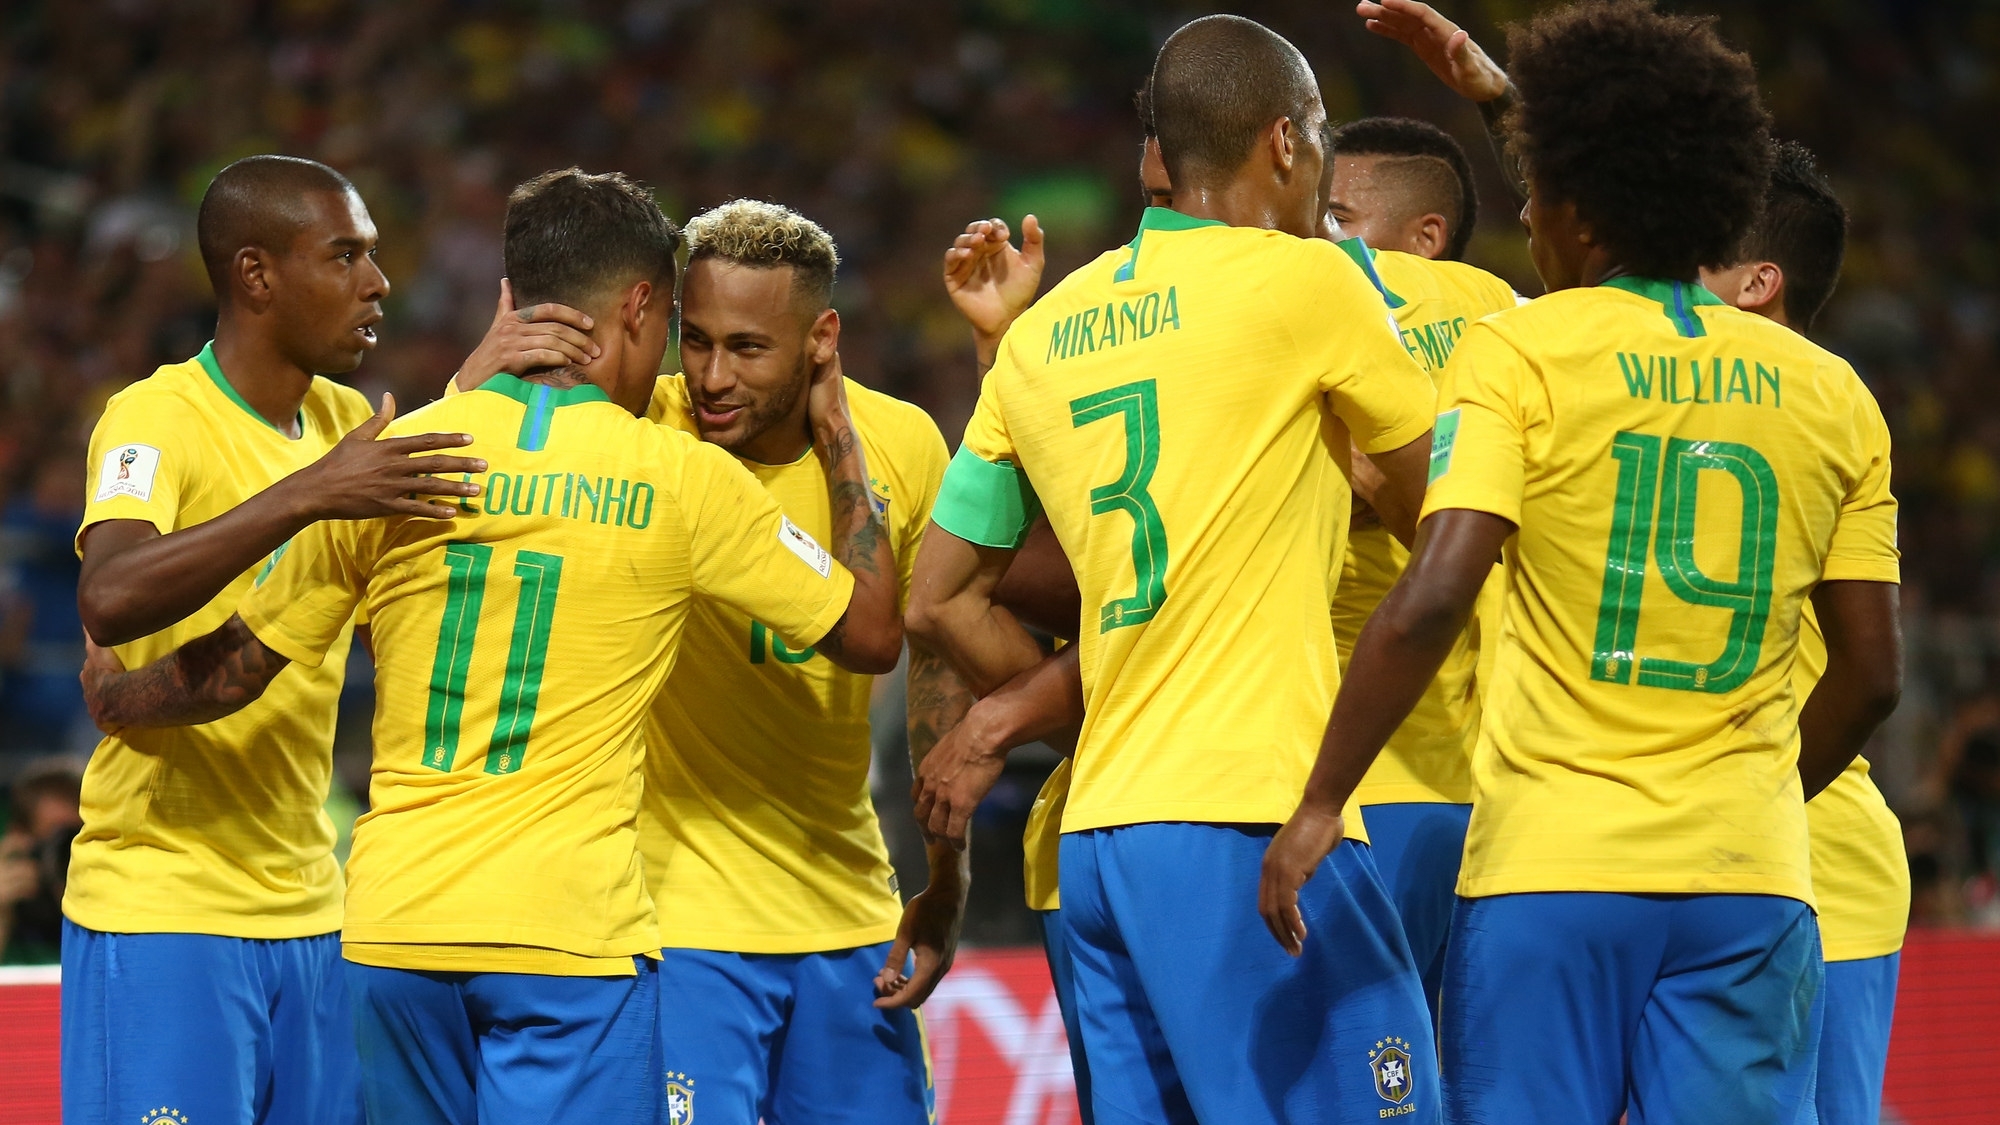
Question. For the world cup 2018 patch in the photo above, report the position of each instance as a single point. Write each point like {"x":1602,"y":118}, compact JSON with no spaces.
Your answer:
{"x":128,"y":470}
{"x":805,"y":547}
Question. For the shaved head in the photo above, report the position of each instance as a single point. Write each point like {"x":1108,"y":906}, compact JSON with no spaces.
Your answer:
{"x":1218,"y":83}
{"x":259,"y":201}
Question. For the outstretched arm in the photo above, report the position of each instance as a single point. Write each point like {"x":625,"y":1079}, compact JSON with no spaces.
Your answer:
{"x":1863,"y":679}
{"x":1395,"y":659}
{"x":1458,"y":62}
{"x":204,"y":680}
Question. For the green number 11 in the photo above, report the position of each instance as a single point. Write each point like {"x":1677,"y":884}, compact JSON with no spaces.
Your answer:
{"x":1138,"y":405}
{"x":1644,"y":480}
{"x":527,"y":653}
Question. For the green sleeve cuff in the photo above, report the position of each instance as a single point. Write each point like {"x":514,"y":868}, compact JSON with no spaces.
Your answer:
{"x":986,"y":502}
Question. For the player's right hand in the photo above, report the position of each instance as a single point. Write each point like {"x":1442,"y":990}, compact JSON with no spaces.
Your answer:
{"x":521,"y":340}
{"x":1295,"y":853}
{"x":990,"y":282}
{"x":365,"y":476}
{"x":1449,"y":51}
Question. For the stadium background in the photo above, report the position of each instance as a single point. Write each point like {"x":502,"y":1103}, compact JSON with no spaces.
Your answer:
{"x":893,"y":124}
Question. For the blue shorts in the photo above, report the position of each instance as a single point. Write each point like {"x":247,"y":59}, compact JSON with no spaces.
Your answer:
{"x":218,"y":1029}
{"x":1417,"y":848}
{"x":1860,"y":1004}
{"x":791,"y":1038}
{"x":464,"y":1048}
{"x":1062,"y":975}
{"x":1669,"y":1008}
{"x":1191,"y":1011}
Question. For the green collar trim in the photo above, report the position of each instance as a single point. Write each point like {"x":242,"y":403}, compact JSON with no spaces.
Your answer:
{"x":541,"y":401}
{"x":1364,"y":256}
{"x":1678,"y":298}
{"x":207,"y":360}
{"x":1159,"y":218}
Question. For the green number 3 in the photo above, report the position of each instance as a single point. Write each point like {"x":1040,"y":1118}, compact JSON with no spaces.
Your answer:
{"x":1138,"y":404}
{"x":1642,"y":480}
{"x":527,"y":654}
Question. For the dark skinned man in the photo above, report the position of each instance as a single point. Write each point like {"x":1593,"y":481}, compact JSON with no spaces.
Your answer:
{"x":1194,"y":469}
{"x":203,"y":892}
{"x":1634,"y":932}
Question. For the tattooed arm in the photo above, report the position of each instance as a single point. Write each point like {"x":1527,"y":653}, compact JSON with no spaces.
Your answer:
{"x":868,"y":638}
{"x":202,"y":681}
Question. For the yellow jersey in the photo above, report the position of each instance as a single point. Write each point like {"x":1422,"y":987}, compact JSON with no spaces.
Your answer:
{"x":1183,"y":408}
{"x":758,"y":829}
{"x":517,"y":650}
{"x":1682,"y":475}
{"x":1860,"y":873}
{"x":218,"y":828}
{"x":1429,"y":758}
{"x":1041,"y":841}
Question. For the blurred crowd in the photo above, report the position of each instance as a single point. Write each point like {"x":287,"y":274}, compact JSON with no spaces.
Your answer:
{"x":893,"y":124}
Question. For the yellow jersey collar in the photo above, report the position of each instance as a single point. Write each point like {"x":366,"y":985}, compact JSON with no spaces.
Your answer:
{"x":541,"y":401}
{"x":208,"y":363}
{"x":1678,"y":298}
{"x":1159,"y":218}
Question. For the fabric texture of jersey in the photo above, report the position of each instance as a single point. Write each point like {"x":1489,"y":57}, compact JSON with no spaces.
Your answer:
{"x":789,"y":1038}
{"x":465,"y":1048}
{"x":236,"y":1030}
{"x":1429,"y":758}
{"x":1668,"y":1008}
{"x":1041,"y":841}
{"x":1860,"y":872}
{"x":1858,"y":1009}
{"x":217,"y":828}
{"x":517,"y":649}
{"x":1682,"y":475}
{"x":758,"y":829}
{"x":1197,"y":1015}
{"x":1177,"y":406}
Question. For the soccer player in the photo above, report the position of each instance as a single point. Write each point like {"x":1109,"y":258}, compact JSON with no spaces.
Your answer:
{"x":1402,"y":184}
{"x":1635,"y":931}
{"x":499,"y":937}
{"x":1176,"y":405}
{"x":1785,"y":270}
{"x":779,"y":906}
{"x":200,"y":966}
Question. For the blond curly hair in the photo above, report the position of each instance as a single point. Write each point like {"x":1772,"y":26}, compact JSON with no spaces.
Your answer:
{"x":751,"y":232}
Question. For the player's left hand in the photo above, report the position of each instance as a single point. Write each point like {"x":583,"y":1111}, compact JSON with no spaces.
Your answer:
{"x":99,"y":665}
{"x":929,"y":929}
{"x":1295,"y":853}
{"x":521,"y":340}
{"x":954,"y":777}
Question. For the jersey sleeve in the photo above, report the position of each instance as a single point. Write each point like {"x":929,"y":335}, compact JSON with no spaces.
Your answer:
{"x":922,"y":450}
{"x":313,"y":590}
{"x":1349,"y":339}
{"x":986,"y":497}
{"x":1864,"y":537}
{"x":1479,"y":443}
{"x":142,"y":464}
{"x":745,"y":553}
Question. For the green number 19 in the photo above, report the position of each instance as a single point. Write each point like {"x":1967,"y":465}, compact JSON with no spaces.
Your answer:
{"x":527,"y":653}
{"x":1643,"y":481}
{"x":1138,"y":404}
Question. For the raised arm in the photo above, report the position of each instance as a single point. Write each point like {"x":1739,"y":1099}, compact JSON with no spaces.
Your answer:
{"x":1862,"y":682}
{"x":1458,"y":62}
{"x":1395,"y":659}
{"x":991,"y":282}
{"x":205,"y":679}
{"x":136,"y":581}
{"x":868,"y":638}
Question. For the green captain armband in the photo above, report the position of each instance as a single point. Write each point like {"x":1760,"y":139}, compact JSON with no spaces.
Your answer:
{"x":986,"y":502}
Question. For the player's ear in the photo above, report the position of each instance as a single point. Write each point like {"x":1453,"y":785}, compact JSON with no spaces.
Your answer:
{"x":250,"y":271}
{"x":639,"y":305}
{"x":1767,"y":285}
{"x":823,"y":339}
{"x":1431,"y":234}
{"x":1284,"y":145}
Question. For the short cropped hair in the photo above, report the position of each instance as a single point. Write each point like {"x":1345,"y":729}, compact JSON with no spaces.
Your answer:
{"x":570,"y":235}
{"x":751,"y":232}
{"x":1648,"y":124}
{"x":1803,"y":228}
{"x":1217,"y":84}
{"x":1427,"y":162}
{"x":257,"y":201}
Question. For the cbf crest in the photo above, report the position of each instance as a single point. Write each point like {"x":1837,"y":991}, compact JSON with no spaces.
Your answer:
{"x":164,"y":1116}
{"x":680,"y":1099}
{"x":1390,"y":1064}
